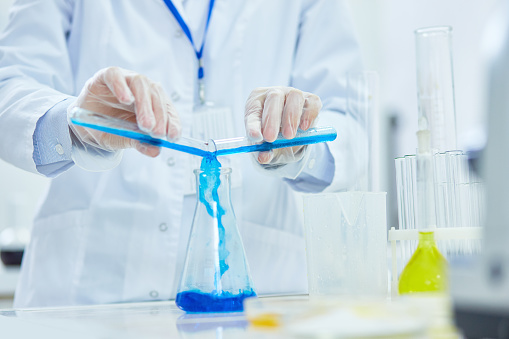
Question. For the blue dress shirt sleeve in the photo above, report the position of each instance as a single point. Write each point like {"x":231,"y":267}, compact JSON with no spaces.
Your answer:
{"x":318,"y":172}
{"x":52,"y":142}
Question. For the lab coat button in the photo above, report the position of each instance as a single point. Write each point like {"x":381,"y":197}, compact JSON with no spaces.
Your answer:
{"x":163,"y":227}
{"x":175,"y":96}
{"x":311,"y":164}
{"x":178,"y":33}
{"x":170,"y":162}
{"x":154,"y":294}
{"x":59,"y":149}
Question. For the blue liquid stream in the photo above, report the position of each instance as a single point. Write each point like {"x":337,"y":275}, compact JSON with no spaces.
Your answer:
{"x":196,"y":301}
{"x":209,"y":184}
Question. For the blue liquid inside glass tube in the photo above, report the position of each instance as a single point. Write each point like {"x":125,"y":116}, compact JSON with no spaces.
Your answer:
{"x":215,"y":301}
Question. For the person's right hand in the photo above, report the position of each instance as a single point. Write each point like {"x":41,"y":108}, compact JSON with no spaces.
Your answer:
{"x":129,"y":96}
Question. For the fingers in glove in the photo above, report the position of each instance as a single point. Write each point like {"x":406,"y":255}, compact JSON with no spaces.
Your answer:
{"x":148,"y":150}
{"x":174,"y":126}
{"x":159,"y":108}
{"x":253,"y":114}
{"x":265,"y":157}
{"x":312,"y":106}
{"x":141,"y":89}
{"x":292,"y":113}
{"x":112,"y":142}
{"x":281,"y":155}
{"x":271,"y":117}
{"x":114,"y":78}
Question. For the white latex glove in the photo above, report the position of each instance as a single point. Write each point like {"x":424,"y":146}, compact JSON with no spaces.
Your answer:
{"x":124,"y":95}
{"x":270,"y":110}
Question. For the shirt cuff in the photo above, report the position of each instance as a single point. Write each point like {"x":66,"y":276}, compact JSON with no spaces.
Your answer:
{"x":318,"y":172}
{"x":52,"y":142}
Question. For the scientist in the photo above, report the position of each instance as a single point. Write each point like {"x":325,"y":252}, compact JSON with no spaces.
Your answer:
{"x":113,"y":227}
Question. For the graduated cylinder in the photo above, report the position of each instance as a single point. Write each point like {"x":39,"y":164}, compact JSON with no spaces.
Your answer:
{"x":435,"y":86}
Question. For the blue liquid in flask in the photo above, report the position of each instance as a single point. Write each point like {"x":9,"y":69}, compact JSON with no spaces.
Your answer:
{"x":198,"y":301}
{"x":209,"y":185}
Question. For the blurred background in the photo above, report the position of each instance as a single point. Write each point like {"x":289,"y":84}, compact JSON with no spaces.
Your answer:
{"x":385,"y":31}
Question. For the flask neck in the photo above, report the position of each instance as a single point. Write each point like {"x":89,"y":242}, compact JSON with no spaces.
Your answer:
{"x":427,"y":239}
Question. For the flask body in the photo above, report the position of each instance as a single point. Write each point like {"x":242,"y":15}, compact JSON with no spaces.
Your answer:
{"x":216,"y":274}
{"x":426,"y":271}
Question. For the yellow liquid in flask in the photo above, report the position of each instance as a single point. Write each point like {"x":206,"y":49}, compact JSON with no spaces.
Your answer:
{"x":426,"y":270}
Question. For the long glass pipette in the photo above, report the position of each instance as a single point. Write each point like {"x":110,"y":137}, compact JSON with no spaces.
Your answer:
{"x":219,"y":147}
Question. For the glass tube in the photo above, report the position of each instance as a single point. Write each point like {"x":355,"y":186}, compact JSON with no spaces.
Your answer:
{"x":411,"y":199}
{"x":411,"y":192}
{"x":202,"y":148}
{"x":362,"y":106}
{"x":426,"y":218}
{"x":242,"y":145}
{"x":435,"y":86}
{"x":403,"y":204}
{"x":400,"y":192}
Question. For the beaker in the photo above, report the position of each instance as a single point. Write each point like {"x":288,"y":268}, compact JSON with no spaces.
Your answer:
{"x":346,"y":244}
{"x":216,"y":274}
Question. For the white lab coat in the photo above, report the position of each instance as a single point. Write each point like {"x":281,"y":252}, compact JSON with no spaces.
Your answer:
{"x":120,"y":235}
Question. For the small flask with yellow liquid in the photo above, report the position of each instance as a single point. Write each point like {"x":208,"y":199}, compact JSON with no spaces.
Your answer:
{"x":427,"y":269}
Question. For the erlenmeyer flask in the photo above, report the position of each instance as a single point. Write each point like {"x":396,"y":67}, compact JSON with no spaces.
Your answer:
{"x":426,"y":270}
{"x":216,"y":274}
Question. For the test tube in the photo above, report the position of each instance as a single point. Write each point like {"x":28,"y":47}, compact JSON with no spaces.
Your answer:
{"x":243,"y":144}
{"x":441,"y":190}
{"x":411,"y":193}
{"x":401,"y":198}
{"x":425,"y":183}
{"x":400,"y":191}
{"x":435,"y":86}
{"x":411,"y":199}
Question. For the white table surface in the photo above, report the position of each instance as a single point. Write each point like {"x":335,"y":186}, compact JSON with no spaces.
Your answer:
{"x":136,"y":320}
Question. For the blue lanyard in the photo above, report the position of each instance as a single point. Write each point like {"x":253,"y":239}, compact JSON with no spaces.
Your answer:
{"x":185,"y":28}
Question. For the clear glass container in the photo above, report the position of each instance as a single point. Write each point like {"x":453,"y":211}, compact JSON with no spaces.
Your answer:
{"x":362,"y":107}
{"x":216,"y":274}
{"x":435,"y":86}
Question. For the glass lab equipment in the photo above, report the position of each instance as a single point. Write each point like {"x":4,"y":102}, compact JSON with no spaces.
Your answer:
{"x":216,"y":275}
{"x":458,"y":192}
{"x":346,"y":233}
{"x":459,"y":202}
{"x":346,"y":244}
{"x":427,"y":269}
{"x":202,"y":148}
{"x":435,"y":85}
{"x":362,"y":107}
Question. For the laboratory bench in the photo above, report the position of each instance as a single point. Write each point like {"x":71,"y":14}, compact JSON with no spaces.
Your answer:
{"x":160,"y":319}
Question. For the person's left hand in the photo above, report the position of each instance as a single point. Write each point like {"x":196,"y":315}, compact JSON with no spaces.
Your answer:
{"x":270,"y":110}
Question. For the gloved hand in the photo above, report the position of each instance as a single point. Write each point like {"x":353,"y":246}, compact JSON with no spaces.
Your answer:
{"x":270,"y":110}
{"x":128,"y":96}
